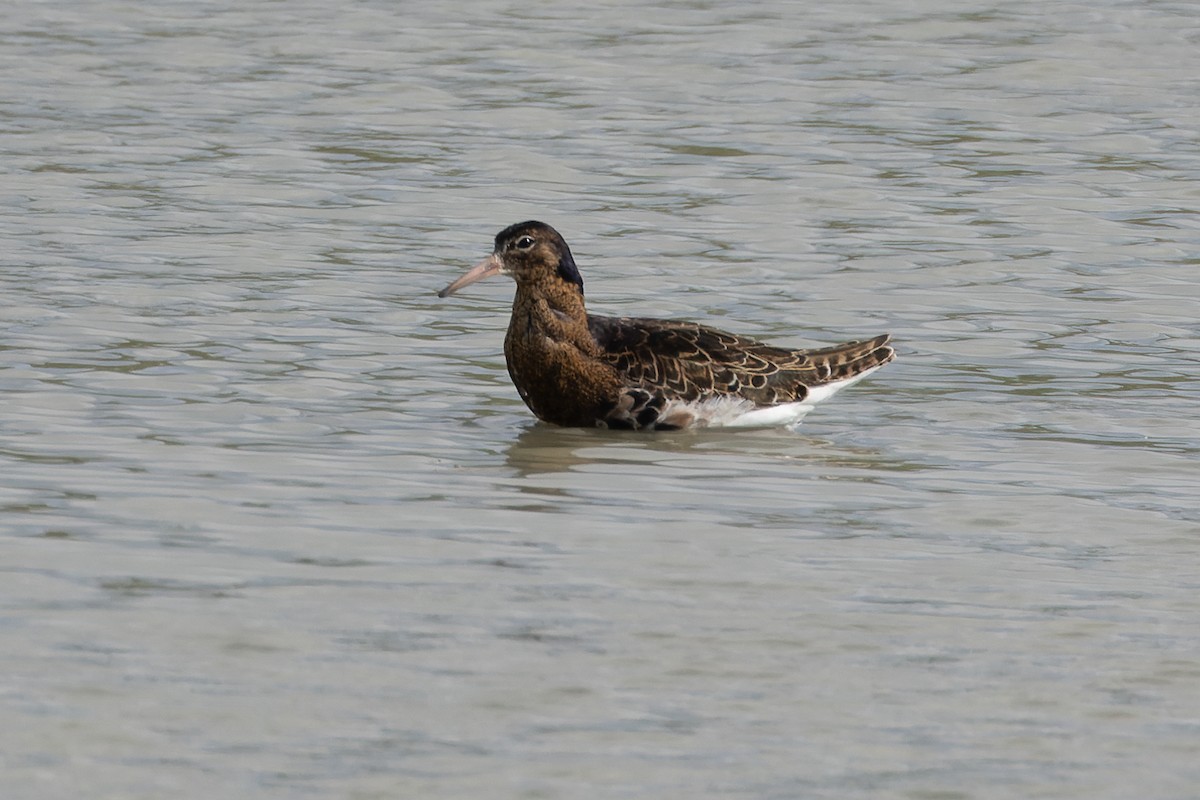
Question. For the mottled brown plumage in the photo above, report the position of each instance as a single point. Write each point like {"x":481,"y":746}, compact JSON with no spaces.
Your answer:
{"x":578,"y":369}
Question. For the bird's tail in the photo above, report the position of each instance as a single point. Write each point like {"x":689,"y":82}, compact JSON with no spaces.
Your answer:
{"x":849,"y":359}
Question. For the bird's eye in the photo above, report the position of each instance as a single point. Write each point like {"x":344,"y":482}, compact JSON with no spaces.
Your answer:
{"x":525,"y":242}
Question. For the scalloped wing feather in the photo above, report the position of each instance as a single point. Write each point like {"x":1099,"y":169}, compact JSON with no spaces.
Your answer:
{"x":690,"y":362}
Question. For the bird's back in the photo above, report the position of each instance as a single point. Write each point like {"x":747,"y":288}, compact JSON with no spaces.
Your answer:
{"x":692,"y":362}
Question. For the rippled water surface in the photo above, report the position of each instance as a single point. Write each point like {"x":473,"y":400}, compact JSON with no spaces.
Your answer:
{"x":276,"y":525}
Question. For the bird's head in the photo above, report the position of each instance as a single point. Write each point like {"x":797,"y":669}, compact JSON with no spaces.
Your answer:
{"x":528,"y":252}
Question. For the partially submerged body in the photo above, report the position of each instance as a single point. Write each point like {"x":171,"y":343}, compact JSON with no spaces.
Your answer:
{"x":580,"y":370}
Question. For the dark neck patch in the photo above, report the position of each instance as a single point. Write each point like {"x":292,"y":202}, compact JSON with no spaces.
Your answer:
{"x":566,"y":266}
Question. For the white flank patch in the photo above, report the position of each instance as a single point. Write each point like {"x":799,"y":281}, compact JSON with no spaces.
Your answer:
{"x":733,"y":412}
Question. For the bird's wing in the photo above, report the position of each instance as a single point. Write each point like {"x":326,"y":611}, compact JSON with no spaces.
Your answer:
{"x":686,"y":361}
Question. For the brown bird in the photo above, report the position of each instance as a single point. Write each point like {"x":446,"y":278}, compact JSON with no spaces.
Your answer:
{"x":578,"y":369}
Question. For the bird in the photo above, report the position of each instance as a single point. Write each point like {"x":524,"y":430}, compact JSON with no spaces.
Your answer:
{"x":577,"y":369}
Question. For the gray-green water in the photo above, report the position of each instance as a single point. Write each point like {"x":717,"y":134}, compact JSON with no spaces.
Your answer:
{"x":275,"y":524}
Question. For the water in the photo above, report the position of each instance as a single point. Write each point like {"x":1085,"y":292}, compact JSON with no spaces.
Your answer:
{"x":275,"y":523}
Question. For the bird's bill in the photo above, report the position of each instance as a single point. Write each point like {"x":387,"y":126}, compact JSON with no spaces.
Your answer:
{"x":484,"y":269}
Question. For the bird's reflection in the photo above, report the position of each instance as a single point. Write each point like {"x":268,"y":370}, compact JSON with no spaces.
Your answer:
{"x":540,"y":448}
